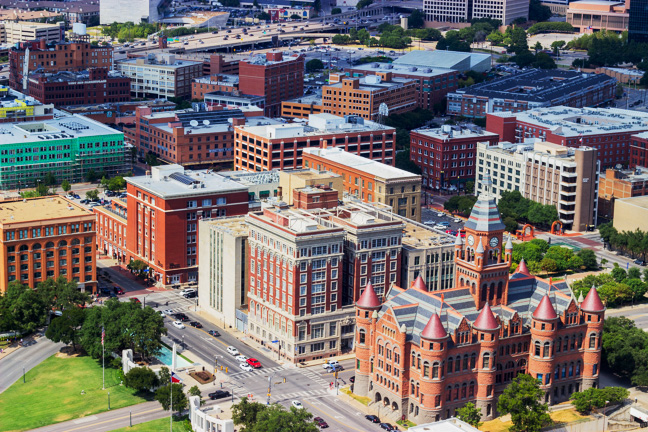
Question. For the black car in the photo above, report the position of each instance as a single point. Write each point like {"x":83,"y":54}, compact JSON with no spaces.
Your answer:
{"x":640,"y":262}
{"x":387,"y":427}
{"x":190,"y":295}
{"x":195,"y":324}
{"x":118,"y":290}
{"x":181,"y":317}
{"x":84,"y":201}
{"x":372,"y":418}
{"x":219,"y":394}
{"x":214,"y":333}
{"x":319,"y":421}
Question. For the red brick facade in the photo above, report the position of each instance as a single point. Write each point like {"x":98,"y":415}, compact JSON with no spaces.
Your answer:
{"x":466,"y":351}
{"x":639,"y":150}
{"x":111,"y":230}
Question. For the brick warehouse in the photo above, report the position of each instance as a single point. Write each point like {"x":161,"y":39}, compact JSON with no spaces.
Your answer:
{"x":424,"y":354}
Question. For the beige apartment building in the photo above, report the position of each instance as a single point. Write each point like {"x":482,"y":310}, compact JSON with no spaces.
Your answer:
{"x":546,"y":173}
{"x":297,"y":179}
{"x":222,"y":274}
{"x":12,"y":32}
{"x":631,"y":214}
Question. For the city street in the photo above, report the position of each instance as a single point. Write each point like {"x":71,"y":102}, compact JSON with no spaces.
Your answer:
{"x":25,"y":358}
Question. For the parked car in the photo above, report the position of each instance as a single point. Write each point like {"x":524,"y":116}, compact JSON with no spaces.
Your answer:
{"x":254,"y":363}
{"x":297,"y":404}
{"x":232,"y":350}
{"x":444,"y":223}
{"x":190,"y":295}
{"x":214,"y":333}
{"x":372,"y":418}
{"x":178,"y":324}
{"x":456,"y":220}
{"x":135,"y":300}
{"x":195,"y":324}
{"x":84,"y":201}
{"x":187,"y":291}
{"x":219,"y":394}
{"x":640,"y":262}
{"x":161,"y":314}
{"x":117,"y":290}
{"x":387,"y":427}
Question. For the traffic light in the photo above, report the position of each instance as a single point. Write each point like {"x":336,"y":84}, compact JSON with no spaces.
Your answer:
{"x":284,"y":380}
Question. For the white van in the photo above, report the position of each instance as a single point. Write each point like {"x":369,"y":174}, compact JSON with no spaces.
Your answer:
{"x":187,"y":291}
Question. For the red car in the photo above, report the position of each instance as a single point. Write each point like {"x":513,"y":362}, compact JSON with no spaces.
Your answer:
{"x":136,"y":300}
{"x":254,"y":363}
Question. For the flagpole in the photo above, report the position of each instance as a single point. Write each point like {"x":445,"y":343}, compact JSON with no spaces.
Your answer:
{"x":171,"y":392}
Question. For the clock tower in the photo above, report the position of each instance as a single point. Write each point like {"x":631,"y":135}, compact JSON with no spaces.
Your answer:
{"x":479,"y":262}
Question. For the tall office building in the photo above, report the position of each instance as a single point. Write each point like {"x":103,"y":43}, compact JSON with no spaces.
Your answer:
{"x":638,"y":22}
{"x":136,"y":11}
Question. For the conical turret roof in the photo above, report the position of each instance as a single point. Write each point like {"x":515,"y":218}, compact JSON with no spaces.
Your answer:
{"x":486,"y":320}
{"x":522,"y":268}
{"x":592,"y":302}
{"x":368,"y":299}
{"x":434,"y":329}
{"x":419,"y":284}
{"x":545,"y":310}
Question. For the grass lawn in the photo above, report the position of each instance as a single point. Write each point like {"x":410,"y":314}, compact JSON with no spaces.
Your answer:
{"x":362,"y":399}
{"x":156,"y":426}
{"x":562,"y":416}
{"x":52,"y":393}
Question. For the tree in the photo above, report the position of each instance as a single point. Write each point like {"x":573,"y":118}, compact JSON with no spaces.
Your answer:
{"x":592,"y":398}
{"x":49,"y":179}
{"x":65,"y":328}
{"x":537,"y":47}
{"x":21,"y":309}
{"x":141,"y":379}
{"x":470,"y":414}
{"x":510,"y":224}
{"x":625,"y":349}
{"x":61,"y":294}
{"x":363,"y":4}
{"x":137,"y":266}
{"x":618,"y":273}
{"x":275,"y":418}
{"x":195,"y":391}
{"x":619,"y":91}
{"x":90,"y":175}
{"x":416,"y":20}
{"x":589,"y":259}
{"x":470,"y":187}
{"x":336,"y":10}
{"x":164,"y":393}
{"x":245,"y":414}
{"x":66,"y":186}
{"x":521,"y":399}
{"x":92,"y":194}
{"x":263,"y":16}
{"x":314,"y":65}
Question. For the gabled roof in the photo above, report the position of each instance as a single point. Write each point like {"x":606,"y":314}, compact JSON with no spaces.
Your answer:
{"x":545,"y":310}
{"x":368,"y":299}
{"x":592,"y":302}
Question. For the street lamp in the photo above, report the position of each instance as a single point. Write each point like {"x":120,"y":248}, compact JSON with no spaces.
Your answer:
{"x":108,"y":400}
{"x":183,"y":343}
{"x":23,"y":375}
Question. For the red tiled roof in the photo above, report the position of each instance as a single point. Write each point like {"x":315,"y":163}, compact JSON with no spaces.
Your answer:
{"x":419,"y":284}
{"x":545,"y":310}
{"x":368,"y":299}
{"x":486,"y":319}
{"x":434,"y":329}
{"x":592,"y":302}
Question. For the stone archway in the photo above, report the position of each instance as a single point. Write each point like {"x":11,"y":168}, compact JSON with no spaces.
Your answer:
{"x":385,"y":401}
{"x":377,"y":397}
{"x":394,"y":406}
{"x":558,"y":231}
{"x":522,"y":234}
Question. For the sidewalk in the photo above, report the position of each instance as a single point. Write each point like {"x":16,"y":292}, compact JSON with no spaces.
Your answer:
{"x":26,"y":341}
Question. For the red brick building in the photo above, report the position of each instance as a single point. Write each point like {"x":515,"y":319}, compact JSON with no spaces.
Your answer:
{"x":163,"y":212}
{"x":111,"y":229}
{"x":423,"y":355}
{"x":280,"y":146}
{"x":94,"y":86}
{"x":432,"y":84}
{"x":616,"y":184}
{"x":447,"y":155}
{"x":174,"y":137}
{"x":212,"y":83}
{"x":608,"y":130}
{"x":274,"y":77}
{"x":118,"y":113}
{"x":63,"y":56}
{"x":315,"y":197}
{"x":639,"y":150}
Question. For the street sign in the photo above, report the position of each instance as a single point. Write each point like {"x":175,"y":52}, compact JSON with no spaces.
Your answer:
{"x":274,"y":341}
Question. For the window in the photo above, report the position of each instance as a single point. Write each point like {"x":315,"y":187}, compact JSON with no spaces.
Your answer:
{"x":486,"y":361}
{"x":592,"y":343}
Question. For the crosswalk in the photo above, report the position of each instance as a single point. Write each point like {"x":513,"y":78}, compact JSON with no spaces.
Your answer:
{"x":305,"y":394}
{"x":314,"y":376}
{"x":257,"y":372}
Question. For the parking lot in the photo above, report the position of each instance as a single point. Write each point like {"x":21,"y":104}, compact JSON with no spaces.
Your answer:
{"x":432,"y":218}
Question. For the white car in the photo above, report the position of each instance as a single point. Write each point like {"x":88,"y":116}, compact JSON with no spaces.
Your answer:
{"x":168,"y":312}
{"x":297,"y":404}
{"x":456,"y":220}
{"x":232,"y":350}
{"x":440,"y":214}
{"x":246,"y":367}
{"x":330,"y":364}
{"x":241,"y":358}
{"x":178,"y":324}
{"x":161,"y":314}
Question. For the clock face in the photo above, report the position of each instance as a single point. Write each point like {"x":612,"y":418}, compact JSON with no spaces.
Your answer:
{"x":494,"y":242}
{"x":471,"y":240}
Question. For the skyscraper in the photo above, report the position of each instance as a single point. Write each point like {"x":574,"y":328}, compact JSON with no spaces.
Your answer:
{"x":638,"y":24}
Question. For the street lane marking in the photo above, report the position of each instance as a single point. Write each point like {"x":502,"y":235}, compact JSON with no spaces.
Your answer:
{"x":115,"y":419}
{"x":334,"y":419}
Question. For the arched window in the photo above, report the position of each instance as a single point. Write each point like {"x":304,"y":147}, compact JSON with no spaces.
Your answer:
{"x":465,"y":362}
{"x":546,"y":350}
{"x":411,"y":410}
{"x":413,"y":387}
{"x":36,"y":246}
{"x":464,"y":388}
{"x":23,"y":248}
{"x":450,"y":365}
{"x":484,"y":292}
{"x":49,"y":245}
{"x":592,"y":343}
{"x":537,"y":349}
{"x":557,"y":373}
{"x":458,"y":364}
{"x":486,"y":361}
{"x":449,"y":393}
{"x":456,"y":395}
{"x":75,"y":241}
{"x":473,"y":360}
{"x":571,"y":369}
{"x":362,"y":336}
{"x":578,"y":368}
{"x":435,"y":370}
{"x":558,"y":344}
{"x":62,"y":243}
{"x":426,"y":369}
{"x":499,"y":289}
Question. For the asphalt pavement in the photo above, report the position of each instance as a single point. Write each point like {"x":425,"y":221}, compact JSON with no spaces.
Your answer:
{"x":25,"y":358}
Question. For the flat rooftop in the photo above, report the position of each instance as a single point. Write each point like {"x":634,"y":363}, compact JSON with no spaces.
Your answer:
{"x":222,"y":79}
{"x":66,"y":76}
{"x":378,"y":169}
{"x":368,"y":83}
{"x":234,"y":226}
{"x":40,"y":209}
{"x":143,"y":62}
{"x":536,"y":85}
{"x":441,"y":58}
{"x":450,"y":132}
{"x":311,"y":174}
{"x":638,"y":201}
{"x":252,"y":178}
{"x":63,"y":127}
{"x":173,"y":181}
{"x":572,"y":122}
{"x":10,"y":98}
{"x":403,"y":69}
{"x":262,"y":59}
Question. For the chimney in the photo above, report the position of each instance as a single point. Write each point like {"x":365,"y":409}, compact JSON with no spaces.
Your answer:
{"x":325,"y":144}
{"x":274,"y":56}
{"x":43,"y":44}
{"x":238,"y":122}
